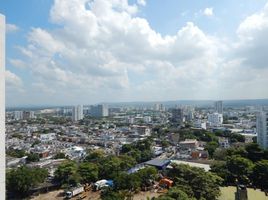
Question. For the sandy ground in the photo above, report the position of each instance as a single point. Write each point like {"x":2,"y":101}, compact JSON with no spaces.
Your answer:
{"x":57,"y":195}
{"x":145,"y":195}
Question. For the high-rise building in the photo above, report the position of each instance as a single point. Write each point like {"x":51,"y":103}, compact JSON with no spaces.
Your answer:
{"x":18,"y":115}
{"x":2,"y":107}
{"x":27,"y":115}
{"x":77,"y":113}
{"x":262,"y":129}
{"x":218,"y":107}
{"x":177,"y":115}
{"x":99,"y":111}
{"x":215,"y":119}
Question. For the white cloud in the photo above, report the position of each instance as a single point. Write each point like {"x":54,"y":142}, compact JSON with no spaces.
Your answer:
{"x":141,"y":2}
{"x":208,"y":12}
{"x":11,"y":28}
{"x":253,"y":45}
{"x":12,"y":80}
{"x":101,"y":51}
{"x":17,"y":63}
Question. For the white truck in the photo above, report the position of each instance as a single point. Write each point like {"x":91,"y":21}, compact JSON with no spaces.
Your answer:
{"x":102,"y":184}
{"x":74,"y":191}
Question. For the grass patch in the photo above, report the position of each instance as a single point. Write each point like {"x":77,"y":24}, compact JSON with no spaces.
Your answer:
{"x":228,"y":193}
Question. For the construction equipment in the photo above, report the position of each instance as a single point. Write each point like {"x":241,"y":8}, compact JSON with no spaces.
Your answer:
{"x":87,"y":188}
{"x":165,"y":183}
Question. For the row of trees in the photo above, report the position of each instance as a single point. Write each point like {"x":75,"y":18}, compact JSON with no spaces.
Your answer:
{"x":247,"y":165}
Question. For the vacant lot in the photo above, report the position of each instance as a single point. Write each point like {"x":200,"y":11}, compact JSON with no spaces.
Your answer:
{"x":228,"y":193}
{"x":57,"y":195}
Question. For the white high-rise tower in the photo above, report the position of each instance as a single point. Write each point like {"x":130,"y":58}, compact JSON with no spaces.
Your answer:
{"x":218,"y":107}
{"x":77,"y":113}
{"x":262,"y":129}
{"x":2,"y":107}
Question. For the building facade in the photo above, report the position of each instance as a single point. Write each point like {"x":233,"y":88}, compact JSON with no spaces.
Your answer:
{"x":218,"y":107}
{"x":262,"y":129}
{"x":77,"y":113}
{"x":215,"y":119}
{"x":99,"y":111}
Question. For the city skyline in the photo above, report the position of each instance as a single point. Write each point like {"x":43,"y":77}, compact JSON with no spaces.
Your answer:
{"x":86,"y":52}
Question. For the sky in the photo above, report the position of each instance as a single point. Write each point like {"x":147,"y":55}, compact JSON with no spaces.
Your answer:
{"x":71,"y":52}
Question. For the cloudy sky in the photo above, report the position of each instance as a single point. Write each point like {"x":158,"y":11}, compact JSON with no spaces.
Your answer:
{"x":88,"y":51}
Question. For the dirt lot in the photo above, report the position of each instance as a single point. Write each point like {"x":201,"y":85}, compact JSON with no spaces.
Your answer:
{"x":145,"y":195}
{"x":57,"y":195}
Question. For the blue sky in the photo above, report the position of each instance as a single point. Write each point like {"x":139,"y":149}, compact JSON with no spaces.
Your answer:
{"x":84,"y":51}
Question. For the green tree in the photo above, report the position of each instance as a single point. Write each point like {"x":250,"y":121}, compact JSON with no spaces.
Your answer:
{"x":88,"y":172}
{"x":129,"y":182}
{"x":177,"y":194}
{"x":239,"y":169}
{"x":254,"y":152}
{"x":211,"y":147}
{"x":60,"y":155}
{"x":220,"y":168}
{"x":147,"y":175}
{"x":19,"y":181}
{"x":94,"y":155}
{"x":203,"y":184}
{"x":67,"y":173}
{"x":260,"y":174}
{"x":32,"y":157}
{"x":220,"y":154}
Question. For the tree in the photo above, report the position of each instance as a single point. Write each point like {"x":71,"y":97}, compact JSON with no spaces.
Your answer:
{"x":176,"y":193}
{"x":239,"y":169}
{"x":220,"y":168}
{"x":255,"y":152}
{"x":94,"y":156}
{"x":67,"y":173}
{"x":19,"y":181}
{"x":60,"y":156}
{"x":16,"y":153}
{"x":260,"y":174}
{"x":211,"y":147}
{"x":203,"y":184}
{"x":129,"y":182}
{"x":32,"y":157}
{"x":220,"y":154}
{"x":88,"y":172}
{"x":147,"y":175}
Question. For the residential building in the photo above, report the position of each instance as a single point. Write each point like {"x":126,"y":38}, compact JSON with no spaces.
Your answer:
{"x":77,"y":113}
{"x":142,"y":130}
{"x":224,"y":142}
{"x":177,"y":115}
{"x":99,"y":111}
{"x":200,"y":125}
{"x":189,"y":144}
{"x":18,"y":115}
{"x":262,"y":129}
{"x":28,"y":115}
{"x":215,"y":119}
{"x":218,"y":107}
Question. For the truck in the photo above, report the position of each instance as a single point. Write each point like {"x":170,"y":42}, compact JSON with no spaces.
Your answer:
{"x":102,"y":184}
{"x":84,"y":194}
{"x":74,"y":191}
